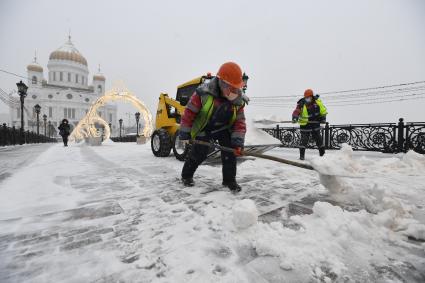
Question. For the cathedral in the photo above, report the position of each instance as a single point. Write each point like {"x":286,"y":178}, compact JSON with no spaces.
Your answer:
{"x":65,"y":94}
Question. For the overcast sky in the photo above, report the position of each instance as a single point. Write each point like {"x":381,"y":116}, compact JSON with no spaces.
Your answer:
{"x":284,"y":46}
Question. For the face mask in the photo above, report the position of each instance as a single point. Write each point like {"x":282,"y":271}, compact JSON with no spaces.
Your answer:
{"x":232,"y":96}
{"x":308,"y":99}
{"x":231,"y":93}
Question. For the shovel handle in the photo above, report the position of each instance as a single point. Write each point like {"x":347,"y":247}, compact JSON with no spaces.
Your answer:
{"x":258,"y":155}
{"x":287,"y":122}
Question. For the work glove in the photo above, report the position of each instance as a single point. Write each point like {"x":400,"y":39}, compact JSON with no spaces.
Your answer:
{"x":294,"y":120}
{"x":238,"y":151}
{"x":237,"y":142}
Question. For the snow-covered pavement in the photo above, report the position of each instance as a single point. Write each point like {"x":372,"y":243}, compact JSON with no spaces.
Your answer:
{"x":116,"y":213}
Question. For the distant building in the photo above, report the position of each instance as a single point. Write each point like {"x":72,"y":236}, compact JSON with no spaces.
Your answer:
{"x":66,"y":93}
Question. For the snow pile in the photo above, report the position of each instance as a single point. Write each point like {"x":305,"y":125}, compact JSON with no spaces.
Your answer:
{"x":340,"y":163}
{"x":256,"y":136}
{"x":245,"y":214}
{"x":414,"y":159}
{"x":415,"y":230}
{"x":331,"y":242}
{"x":108,"y":142}
{"x":360,"y":181}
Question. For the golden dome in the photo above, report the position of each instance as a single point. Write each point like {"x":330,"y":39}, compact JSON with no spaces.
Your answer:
{"x":68,"y":52}
{"x":98,"y":77}
{"x":35,"y":68}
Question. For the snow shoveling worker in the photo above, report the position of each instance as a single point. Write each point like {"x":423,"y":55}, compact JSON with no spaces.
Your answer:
{"x":309,"y":113}
{"x":215,"y":112}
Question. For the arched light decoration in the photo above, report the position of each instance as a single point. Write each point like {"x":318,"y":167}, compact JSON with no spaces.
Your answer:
{"x":86,"y":126}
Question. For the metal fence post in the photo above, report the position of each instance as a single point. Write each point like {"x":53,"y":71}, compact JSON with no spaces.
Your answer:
{"x":13,"y":140}
{"x":407,"y":143}
{"x":277,"y":133}
{"x":4,"y":135}
{"x":400,"y":135}
{"x":327,"y":135}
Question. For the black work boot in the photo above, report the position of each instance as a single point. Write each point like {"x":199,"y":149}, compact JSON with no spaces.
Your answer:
{"x":233,"y":186}
{"x":302,"y":153}
{"x":188,"y":182}
{"x":322,"y":151}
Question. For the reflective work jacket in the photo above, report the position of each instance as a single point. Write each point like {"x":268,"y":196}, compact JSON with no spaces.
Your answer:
{"x":303,"y":115}
{"x":207,"y":107}
{"x":205,"y":114}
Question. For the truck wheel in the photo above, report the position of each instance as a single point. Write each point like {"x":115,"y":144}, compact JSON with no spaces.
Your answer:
{"x":180,"y":151}
{"x":161,"y":143}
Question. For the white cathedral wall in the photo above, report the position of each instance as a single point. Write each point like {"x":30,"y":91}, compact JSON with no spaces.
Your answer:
{"x":59,"y":102}
{"x":56,"y":67}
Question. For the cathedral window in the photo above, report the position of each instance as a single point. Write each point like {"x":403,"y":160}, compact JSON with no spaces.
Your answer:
{"x":60,"y":76}
{"x":69,"y":113}
{"x":69,"y":96}
{"x":50,"y":112}
{"x":76,"y":78}
{"x":99,"y":88}
{"x":34,"y":80}
{"x":54,"y":76}
{"x":69,"y":77}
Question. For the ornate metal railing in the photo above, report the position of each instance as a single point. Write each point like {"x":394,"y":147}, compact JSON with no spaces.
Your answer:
{"x":385,"y":137}
{"x":124,"y":139}
{"x":13,"y":136}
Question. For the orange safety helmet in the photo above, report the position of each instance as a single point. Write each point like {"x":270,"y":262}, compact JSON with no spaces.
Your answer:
{"x":308,"y":92}
{"x":231,"y":73}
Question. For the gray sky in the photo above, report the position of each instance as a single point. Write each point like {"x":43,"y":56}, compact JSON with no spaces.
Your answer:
{"x":284,"y":46}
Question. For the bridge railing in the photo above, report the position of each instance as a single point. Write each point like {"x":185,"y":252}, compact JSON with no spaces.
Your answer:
{"x":383,"y":137}
{"x":124,"y":139}
{"x":13,"y":136}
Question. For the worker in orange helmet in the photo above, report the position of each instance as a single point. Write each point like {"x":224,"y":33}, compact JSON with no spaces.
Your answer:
{"x":215,"y":112}
{"x":309,"y":113}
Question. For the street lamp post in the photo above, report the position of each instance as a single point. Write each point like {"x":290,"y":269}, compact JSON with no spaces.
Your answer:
{"x":120,"y":121}
{"x":22,"y":90}
{"x":137,"y":122}
{"x":50,"y":128}
{"x":37,"y":109}
{"x":45,"y":127}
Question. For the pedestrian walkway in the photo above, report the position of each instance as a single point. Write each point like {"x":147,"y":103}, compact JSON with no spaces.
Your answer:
{"x":117,"y":213}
